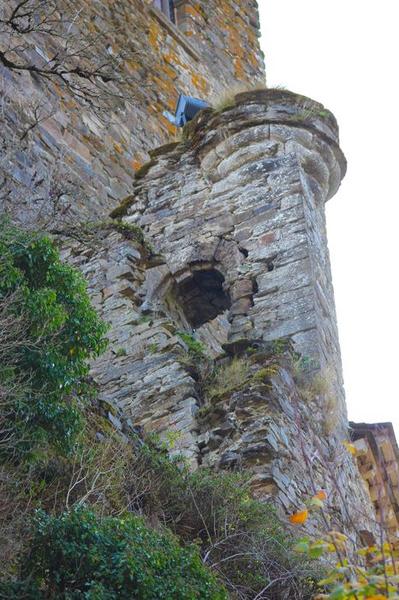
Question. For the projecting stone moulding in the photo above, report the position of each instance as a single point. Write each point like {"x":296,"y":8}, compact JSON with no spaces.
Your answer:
{"x":237,"y":210}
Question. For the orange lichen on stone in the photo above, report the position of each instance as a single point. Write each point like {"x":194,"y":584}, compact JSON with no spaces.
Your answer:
{"x":91,"y":27}
{"x":235,"y":43}
{"x":164,"y":85}
{"x":199,"y":82}
{"x":167,"y":124}
{"x":239,"y":70}
{"x":192,"y":11}
{"x":153,"y":35}
{"x":172,"y":58}
{"x":160,"y":60}
{"x":136,"y":164}
{"x":132,"y":65}
{"x":171,"y":103}
{"x":252,"y":59}
{"x":169,"y":72}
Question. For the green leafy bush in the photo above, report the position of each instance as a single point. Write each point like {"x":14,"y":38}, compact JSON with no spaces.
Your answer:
{"x":52,"y":331}
{"x":77,"y":555}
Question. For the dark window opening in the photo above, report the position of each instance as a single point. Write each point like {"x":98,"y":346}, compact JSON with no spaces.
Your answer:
{"x":167,"y":7}
{"x":203,"y":298}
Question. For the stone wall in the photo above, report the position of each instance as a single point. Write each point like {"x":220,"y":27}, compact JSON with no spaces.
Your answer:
{"x":264,"y":422}
{"x":242,"y":200}
{"x":236,"y":257}
{"x":272,"y":430}
{"x":141,"y":379}
{"x":77,"y":162}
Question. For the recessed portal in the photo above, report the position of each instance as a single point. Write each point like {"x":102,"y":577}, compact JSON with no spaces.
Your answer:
{"x":202,"y":297}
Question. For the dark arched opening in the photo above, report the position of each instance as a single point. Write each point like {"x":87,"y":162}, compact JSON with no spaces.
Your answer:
{"x":202,"y":297}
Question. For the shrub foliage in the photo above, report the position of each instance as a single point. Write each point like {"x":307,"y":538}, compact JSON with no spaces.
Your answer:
{"x":77,"y":555}
{"x":42,"y":375}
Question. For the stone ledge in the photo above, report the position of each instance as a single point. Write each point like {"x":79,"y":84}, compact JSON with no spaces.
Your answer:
{"x":174,"y":32}
{"x":281,"y":108}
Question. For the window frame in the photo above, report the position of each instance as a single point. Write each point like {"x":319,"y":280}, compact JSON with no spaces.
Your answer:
{"x":168,"y":9}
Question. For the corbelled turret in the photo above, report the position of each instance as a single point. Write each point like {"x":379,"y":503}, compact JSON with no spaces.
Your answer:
{"x":238,"y":212}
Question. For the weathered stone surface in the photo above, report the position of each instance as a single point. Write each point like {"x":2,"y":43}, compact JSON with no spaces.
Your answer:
{"x":258,"y":220}
{"x":265,"y":277}
{"x":280,"y":440}
{"x":235,"y":215}
{"x":146,"y":384}
{"x":92,"y":161}
{"x":140,"y":375}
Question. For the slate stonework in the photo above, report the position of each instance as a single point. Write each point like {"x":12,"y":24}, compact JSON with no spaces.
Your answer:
{"x":142,"y":384}
{"x":74,"y":165}
{"x":235,"y":208}
{"x":244,"y":196}
{"x":235,"y":217}
{"x":147,"y":382}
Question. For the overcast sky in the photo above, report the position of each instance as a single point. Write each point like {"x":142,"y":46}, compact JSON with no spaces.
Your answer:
{"x":345,"y":54}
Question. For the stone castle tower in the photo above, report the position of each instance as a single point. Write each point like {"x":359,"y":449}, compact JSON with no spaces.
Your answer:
{"x":235,"y":253}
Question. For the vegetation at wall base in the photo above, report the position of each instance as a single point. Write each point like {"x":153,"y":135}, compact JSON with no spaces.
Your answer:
{"x":240,"y":538}
{"x":79,"y":555}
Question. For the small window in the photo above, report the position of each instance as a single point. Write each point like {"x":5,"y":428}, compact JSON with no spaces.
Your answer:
{"x":167,"y":7}
{"x":203,"y":297}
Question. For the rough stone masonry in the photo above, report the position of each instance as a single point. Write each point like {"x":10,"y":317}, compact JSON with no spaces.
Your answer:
{"x":86,"y":159}
{"x":234,"y":213}
{"x":235,"y":217}
{"x":241,"y":203}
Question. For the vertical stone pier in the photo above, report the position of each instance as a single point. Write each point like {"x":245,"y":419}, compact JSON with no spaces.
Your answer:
{"x":237,"y":210}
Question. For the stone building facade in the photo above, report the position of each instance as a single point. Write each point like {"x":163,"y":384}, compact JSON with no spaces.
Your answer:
{"x":234,"y":253}
{"x":91,"y":154}
{"x":377,"y":455}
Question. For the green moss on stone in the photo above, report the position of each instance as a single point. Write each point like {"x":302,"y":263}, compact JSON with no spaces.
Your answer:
{"x":121,"y":210}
